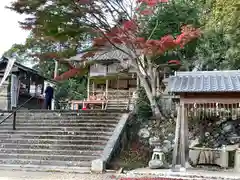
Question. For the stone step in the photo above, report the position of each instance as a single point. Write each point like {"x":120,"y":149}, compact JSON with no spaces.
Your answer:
{"x":57,"y":137}
{"x":41,"y":111}
{"x":96,"y":117}
{"x":49,"y":157}
{"x":53,"y":141}
{"x":50,"y":151}
{"x":45,"y":162}
{"x":54,"y":132}
{"x":73,"y":125}
{"x":83,"y":113}
{"x":83,"y":121}
{"x":117,"y":105}
{"x":45,"y":168}
{"x":66,"y":128}
{"x":54,"y":147}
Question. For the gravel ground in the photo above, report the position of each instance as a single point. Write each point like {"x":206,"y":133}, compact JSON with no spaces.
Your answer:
{"x":21,"y":175}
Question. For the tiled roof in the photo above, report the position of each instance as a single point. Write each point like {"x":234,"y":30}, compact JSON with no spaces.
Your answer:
{"x":205,"y":81}
{"x":106,"y":54}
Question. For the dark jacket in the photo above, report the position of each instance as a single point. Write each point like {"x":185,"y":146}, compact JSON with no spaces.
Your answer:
{"x":49,"y":92}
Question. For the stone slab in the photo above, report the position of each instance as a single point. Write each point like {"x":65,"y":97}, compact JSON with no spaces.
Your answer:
{"x":190,"y":174}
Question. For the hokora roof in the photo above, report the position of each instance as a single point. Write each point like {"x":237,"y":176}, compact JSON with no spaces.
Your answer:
{"x":205,"y":81}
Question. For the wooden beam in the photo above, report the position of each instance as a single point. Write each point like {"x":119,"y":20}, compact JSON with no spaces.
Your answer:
{"x":209,"y":100}
{"x":182,"y":137}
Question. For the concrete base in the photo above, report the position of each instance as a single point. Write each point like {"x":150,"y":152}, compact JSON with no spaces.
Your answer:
{"x":98,"y":166}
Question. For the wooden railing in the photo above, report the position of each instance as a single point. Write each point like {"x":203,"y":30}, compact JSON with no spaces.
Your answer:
{"x":114,"y":94}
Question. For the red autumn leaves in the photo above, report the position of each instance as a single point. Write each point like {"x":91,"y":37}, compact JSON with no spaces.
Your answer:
{"x":127,"y":35}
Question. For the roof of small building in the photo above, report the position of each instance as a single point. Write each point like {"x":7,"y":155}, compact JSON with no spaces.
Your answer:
{"x":205,"y":81}
{"x":25,"y":68}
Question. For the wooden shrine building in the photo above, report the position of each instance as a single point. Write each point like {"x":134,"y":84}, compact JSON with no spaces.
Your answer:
{"x":22,"y":84}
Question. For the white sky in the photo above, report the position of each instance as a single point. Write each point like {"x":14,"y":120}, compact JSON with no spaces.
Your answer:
{"x":10,"y":32}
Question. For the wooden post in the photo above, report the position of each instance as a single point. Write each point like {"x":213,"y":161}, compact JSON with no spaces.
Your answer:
{"x":182,"y":138}
{"x":56,"y":69}
{"x":176,"y":140}
{"x":107,"y":81}
{"x":186,"y":138}
{"x":93,"y":87}
{"x":180,"y":152}
{"x":118,"y":90}
{"x":88,"y":88}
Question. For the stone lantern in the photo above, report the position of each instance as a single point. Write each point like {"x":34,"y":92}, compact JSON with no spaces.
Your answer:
{"x":158,"y":159}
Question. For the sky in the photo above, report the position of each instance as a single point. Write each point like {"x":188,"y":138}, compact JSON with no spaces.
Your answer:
{"x":10,"y":32}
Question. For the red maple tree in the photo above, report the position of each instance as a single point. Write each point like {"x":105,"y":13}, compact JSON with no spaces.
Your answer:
{"x":121,"y":26}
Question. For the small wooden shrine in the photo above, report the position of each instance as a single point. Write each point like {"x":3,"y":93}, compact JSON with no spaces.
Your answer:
{"x":208,"y":91}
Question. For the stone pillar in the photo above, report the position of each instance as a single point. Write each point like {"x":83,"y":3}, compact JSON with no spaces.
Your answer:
{"x":5,"y":96}
{"x":237,"y":160}
{"x":224,"y":157}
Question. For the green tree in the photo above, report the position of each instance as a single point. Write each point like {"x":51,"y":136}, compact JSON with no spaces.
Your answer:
{"x":220,"y":46}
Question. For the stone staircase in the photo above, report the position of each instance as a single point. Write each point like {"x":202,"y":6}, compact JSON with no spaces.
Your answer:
{"x":118,"y":104}
{"x":58,"y":141}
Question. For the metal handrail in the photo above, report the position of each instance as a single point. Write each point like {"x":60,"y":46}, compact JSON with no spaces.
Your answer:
{"x":14,"y":113}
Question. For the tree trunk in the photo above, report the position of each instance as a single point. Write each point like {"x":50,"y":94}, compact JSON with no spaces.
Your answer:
{"x":152,"y":99}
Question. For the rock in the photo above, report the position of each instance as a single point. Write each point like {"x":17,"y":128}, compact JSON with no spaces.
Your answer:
{"x":154,"y":140}
{"x":144,"y":133}
{"x":166,"y":146}
{"x":98,"y":166}
{"x":227,"y":127}
{"x":232,"y":147}
{"x":194,"y":142}
{"x":171,"y":137}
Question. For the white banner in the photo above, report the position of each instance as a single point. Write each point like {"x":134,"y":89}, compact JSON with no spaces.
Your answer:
{"x":7,"y":70}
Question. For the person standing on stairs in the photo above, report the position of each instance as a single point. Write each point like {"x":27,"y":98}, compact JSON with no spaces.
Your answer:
{"x":48,"y":97}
